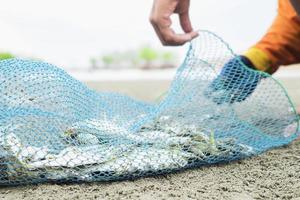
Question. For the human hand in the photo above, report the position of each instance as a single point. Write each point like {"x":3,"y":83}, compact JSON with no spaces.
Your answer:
{"x":160,"y":19}
{"x":235,"y":83}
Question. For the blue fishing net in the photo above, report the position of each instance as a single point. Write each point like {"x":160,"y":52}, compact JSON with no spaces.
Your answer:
{"x":55,"y":129}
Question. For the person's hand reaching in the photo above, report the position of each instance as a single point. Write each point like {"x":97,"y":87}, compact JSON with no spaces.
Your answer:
{"x":160,"y":18}
{"x":235,"y":83}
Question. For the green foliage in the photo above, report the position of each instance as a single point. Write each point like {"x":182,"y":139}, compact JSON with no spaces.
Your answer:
{"x":148,"y":54}
{"x":6,"y":55}
{"x":108,"y":59}
{"x":145,"y":57}
{"x":167,"y":56}
{"x":93,"y":62}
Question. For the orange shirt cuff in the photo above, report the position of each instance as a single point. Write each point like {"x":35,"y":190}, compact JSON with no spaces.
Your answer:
{"x":259,"y":59}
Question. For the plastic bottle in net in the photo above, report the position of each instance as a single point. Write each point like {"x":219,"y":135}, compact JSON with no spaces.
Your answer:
{"x":55,"y":129}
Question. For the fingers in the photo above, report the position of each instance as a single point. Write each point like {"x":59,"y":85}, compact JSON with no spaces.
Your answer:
{"x":182,"y":9}
{"x":298,"y":110}
{"x":161,"y":22}
{"x":168,"y":37}
{"x":185,"y":22}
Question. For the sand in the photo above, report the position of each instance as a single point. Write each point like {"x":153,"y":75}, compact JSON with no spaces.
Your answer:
{"x":272,"y":175}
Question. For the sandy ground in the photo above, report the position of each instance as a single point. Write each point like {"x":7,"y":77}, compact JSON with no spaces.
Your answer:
{"x":272,"y":175}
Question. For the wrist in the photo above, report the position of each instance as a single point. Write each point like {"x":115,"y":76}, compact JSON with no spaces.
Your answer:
{"x":258,"y":58}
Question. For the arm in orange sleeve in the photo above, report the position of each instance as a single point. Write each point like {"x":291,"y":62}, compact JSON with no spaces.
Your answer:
{"x":281,"y":44}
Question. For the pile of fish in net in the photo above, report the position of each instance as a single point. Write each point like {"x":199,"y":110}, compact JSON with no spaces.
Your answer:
{"x":55,"y":129}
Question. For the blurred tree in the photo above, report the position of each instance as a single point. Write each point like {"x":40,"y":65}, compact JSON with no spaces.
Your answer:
{"x":6,"y":55}
{"x":107,"y":60}
{"x":149,"y":55}
{"x":167,"y":56}
{"x":145,"y":57}
{"x":168,"y":60}
{"x":94,"y":63}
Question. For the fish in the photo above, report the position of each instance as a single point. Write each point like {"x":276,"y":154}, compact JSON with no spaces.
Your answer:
{"x":141,"y":161}
{"x":100,"y":149}
{"x":73,"y":156}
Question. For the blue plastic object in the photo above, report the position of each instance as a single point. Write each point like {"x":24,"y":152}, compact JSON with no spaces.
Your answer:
{"x":55,"y":129}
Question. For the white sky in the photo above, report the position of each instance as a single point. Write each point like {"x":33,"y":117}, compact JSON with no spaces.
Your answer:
{"x":69,"y":32}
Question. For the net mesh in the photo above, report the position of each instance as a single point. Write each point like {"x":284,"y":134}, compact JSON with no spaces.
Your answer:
{"x":55,"y":129}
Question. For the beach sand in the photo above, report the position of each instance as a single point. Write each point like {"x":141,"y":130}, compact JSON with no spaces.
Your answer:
{"x":272,"y":175}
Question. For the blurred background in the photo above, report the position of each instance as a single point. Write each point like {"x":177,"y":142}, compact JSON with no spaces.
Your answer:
{"x":110,"y":45}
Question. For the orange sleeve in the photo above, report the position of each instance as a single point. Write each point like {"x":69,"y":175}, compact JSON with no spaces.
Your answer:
{"x":282,"y":42}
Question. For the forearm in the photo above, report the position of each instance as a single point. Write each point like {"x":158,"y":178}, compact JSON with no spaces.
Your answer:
{"x":281,"y":44}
